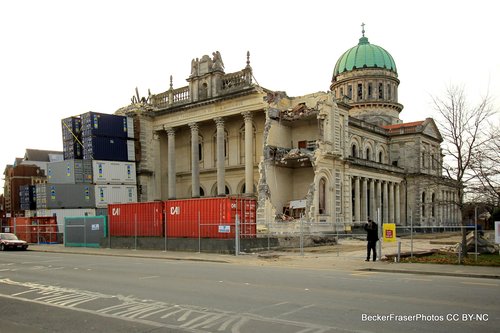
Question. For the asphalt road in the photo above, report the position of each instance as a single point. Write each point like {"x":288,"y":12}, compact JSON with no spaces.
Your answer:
{"x":86,"y":293}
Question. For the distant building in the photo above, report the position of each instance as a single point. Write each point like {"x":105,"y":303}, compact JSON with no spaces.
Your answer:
{"x":29,"y":170}
{"x":332,"y":157}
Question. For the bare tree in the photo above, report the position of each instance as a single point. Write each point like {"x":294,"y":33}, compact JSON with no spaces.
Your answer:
{"x":486,"y":167}
{"x":464,"y":129}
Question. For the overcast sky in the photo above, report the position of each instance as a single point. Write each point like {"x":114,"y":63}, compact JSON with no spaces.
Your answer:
{"x":64,"y":58}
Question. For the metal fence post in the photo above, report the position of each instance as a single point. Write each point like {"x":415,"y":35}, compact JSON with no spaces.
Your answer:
{"x":135,"y":232}
{"x":379,"y":218}
{"x":411,"y":235}
{"x":199,"y":233}
{"x":301,"y":235}
{"x":475,"y":236}
{"x":165,"y":230}
{"x":236,"y":235}
{"x":85,"y":231}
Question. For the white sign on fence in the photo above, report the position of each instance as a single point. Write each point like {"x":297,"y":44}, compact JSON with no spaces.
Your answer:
{"x":225,"y":229}
{"x":95,"y":227}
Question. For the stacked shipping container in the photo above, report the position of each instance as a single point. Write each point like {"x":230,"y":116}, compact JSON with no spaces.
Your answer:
{"x":27,"y":197}
{"x":72,"y":138}
{"x":106,"y":137}
{"x":190,"y":218}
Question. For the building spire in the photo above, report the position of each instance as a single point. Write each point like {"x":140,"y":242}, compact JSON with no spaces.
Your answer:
{"x":363,"y":29}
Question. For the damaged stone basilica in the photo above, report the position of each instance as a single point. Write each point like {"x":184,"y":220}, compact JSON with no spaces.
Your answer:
{"x":333,"y":158}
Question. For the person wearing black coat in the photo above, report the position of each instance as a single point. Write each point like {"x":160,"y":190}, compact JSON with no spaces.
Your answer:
{"x":372,"y":238}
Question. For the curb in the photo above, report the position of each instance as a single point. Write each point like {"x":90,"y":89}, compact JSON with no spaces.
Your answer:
{"x":456,"y":274}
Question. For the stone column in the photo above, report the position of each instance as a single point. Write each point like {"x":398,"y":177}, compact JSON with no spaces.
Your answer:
{"x":171,"y":162}
{"x":385,"y":213}
{"x":379,"y":200}
{"x":221,"y":170}
{"x":357,"y":200}
{"x":398,"y":204}
{"x":248,"y":152}
{"x":157,"y":195}
{"x":195,"y":161}
{"x":373,"y":200}
{"x":364,"y":199}
{"x":391,"y":202}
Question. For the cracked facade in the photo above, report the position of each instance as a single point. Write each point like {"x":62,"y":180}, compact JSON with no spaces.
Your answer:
{"x":332,"y":158}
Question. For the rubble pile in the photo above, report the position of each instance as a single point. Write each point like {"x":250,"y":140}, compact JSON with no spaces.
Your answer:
{"x":484,"y":245}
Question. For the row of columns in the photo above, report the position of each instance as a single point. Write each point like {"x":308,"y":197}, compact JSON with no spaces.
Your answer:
{"x":195,"y":165}
{"x":370,"y":194}
{"x":449,"y":211}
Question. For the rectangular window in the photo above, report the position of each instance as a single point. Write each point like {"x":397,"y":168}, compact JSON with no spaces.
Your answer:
{"x":388,"y":91}
{"x":349,"y":91}
{"x":370,"y":90}
{"x":380,"y":90}
{"x":360,"y":91}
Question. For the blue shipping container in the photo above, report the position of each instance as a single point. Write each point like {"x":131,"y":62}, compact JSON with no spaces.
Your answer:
{"x":72,"y":150}
{"x":108,"y":149}
{"x":71,"y":128}
{"x":102,"y":124}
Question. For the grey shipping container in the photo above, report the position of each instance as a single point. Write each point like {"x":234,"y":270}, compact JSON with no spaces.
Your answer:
{"x":113,"y":194}
{"x":69,"y":172}
{"x":55,"y":196}
{"x":84,"y":231}
{"x":114,"y":172}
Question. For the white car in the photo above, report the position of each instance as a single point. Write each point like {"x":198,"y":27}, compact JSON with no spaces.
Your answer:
{"x":10,"y":241}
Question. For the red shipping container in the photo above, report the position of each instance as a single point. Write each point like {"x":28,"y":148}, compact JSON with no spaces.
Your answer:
{"x":211,"y":217}
{"x":35,"y":229}
{"x":136,"y":219}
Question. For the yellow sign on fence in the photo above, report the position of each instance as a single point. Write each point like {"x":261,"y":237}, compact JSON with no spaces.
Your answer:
{"x":389,"y":232}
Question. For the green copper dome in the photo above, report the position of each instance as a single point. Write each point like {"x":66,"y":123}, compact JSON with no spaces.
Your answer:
{"x":364,"y":55}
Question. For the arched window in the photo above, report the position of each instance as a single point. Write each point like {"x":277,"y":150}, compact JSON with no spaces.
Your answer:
{"x":368,"y":153}
{"x":381,"y":157}
{"x":433,"y":208}
{"x":204,"y":91}
{"x":322,"y":196}
{"x":423,"y":204}
{"x":354,"y":152}
{"x":380,"y":90}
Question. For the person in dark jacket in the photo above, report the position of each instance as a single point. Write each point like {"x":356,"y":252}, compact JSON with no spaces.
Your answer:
{"x":372,"y":238}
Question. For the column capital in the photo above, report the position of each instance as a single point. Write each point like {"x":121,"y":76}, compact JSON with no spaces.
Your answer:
{"x":247,"y":115}
{"x":170,"y":130}
{"x":219,"y":121}
{"x":194,"y":127}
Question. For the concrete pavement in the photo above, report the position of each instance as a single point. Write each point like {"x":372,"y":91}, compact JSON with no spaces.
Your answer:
{"x":352,"y":261}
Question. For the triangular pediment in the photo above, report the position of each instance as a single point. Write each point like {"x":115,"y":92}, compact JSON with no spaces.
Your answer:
{"x":430,"y":128}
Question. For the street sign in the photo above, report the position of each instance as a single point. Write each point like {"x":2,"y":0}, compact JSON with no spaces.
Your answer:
{"x":389,"y":232}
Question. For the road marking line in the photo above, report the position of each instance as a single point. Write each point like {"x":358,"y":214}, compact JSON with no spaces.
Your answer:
{"x":23,"y":292}
{"x":171,"y":313}
{"x":5,"y":269}
{"x":296,"y":310}
{"x":481,"y":284}
{"x":149,"y":277}
{"x":194,"y":320}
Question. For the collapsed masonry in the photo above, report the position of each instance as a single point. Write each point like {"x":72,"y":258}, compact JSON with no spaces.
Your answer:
{"x":291,"y":148}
